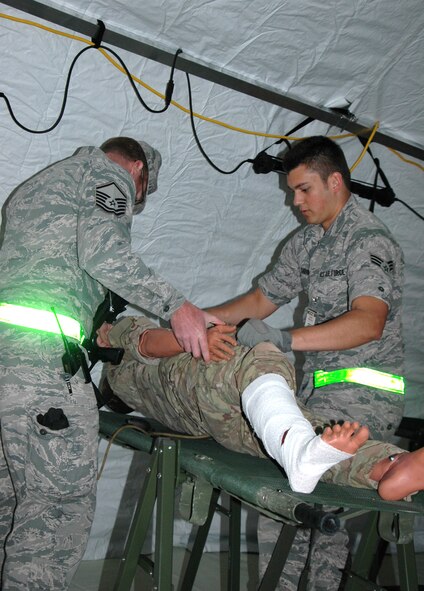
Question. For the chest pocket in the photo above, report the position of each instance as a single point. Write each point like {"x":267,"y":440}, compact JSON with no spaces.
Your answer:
{"x":329,"y":294}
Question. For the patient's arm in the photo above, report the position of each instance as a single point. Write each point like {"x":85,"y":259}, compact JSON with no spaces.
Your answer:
{"x":161,"y":342}
{"x":156,"y":342}
{"x":153,"y":342}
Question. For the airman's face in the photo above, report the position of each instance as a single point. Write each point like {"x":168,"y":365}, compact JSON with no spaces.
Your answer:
{"x":141,"y":183}
{"x":317,"y":200}
{"x":136,"y":169}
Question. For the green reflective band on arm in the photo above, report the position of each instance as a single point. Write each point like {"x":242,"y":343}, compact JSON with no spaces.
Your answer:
{"x":40,"y":320}
{"x":361,"y":375}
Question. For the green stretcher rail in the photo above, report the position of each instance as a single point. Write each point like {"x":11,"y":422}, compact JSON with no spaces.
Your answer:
{"x":203,"y":469}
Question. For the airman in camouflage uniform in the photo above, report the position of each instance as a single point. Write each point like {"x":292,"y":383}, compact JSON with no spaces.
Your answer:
{"x":200,"y":398}
{"x":356,"y":256}
{"x":66,"y":241}
{"x":351,"y":269}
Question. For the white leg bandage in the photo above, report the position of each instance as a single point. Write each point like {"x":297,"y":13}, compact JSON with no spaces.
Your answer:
{"x":272,"y":410}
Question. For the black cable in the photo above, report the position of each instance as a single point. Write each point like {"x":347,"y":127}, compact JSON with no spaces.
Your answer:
{"x":270,"y":162}
{"x":410,"y":208}
{"x":62,"y":110}
{"x":273,"y":166}
{"x":387,"y":191}
{"x":199,"y":145}
{"x":375,"y":186}
{"x":295,"y":128}
{"x":264,"y":162}
{"x":169,"y":87}
{"x":168,"y":92}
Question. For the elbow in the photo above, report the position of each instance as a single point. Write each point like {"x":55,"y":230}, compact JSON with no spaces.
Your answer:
{"x":375,"y":332}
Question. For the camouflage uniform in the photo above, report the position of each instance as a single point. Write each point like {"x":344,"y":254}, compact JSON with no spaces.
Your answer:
{"x":357,"y":256}
{"x":202,"y":398}
{"x":67,"y":239}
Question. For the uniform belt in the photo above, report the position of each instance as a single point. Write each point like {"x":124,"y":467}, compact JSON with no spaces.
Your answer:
{"x":41,"y":320}
{"x":361,"y":375}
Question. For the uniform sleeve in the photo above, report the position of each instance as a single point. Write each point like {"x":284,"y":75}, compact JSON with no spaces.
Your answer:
{"x":375,"y":268}
{"x":104,"y":245}
{"x":126,"y":333}
{"x":283,"y":282}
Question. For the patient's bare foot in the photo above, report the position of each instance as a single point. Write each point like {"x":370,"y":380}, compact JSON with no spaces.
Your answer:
{"x":305,"y":456}
{"x":348,"y":437}
{"x":401,"y":476}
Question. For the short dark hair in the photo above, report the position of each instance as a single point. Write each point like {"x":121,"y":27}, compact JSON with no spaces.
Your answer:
{"x":321,"y":155}
{"x":126,"y":147}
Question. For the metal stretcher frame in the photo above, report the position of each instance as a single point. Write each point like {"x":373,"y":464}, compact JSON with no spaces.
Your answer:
{"x":203,"y":469}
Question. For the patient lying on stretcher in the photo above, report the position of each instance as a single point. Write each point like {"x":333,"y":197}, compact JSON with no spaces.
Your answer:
{"x":245,"y":401}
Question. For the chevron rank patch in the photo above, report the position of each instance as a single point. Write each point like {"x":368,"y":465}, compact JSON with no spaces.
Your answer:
{"x":111,"y":199}
{"x":387,"y":266}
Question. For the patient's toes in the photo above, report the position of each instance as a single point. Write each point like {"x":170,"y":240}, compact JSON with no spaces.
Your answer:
{"x":348,"y":437}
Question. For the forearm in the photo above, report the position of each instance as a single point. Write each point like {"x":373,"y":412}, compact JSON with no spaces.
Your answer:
{"x":350,"y":330}
{"x":251,"y":305}
{"x":158,"y":342}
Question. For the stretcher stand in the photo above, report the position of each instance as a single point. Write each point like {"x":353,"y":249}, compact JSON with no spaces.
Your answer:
{"x":203,"y":469}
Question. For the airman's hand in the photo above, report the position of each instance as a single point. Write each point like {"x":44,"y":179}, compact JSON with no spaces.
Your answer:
{"x":189,"y":325}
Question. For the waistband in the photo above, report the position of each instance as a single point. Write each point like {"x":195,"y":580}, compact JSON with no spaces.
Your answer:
{"x":361,"y":375}
{"x":43,"y":320}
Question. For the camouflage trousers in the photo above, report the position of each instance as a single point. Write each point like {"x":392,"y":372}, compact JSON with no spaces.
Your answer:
{"x":204,"y":398}
{"x":47,"y":468}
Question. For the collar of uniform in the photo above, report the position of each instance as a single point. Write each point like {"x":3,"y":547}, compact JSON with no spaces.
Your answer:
{"x":344,"y":214}
{"x":314,"y":233}
{"x":86,"y":150}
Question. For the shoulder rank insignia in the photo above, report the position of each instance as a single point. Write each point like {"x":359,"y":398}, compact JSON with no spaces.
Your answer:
{"x":387,"y":266}
{"x":111,"y":199}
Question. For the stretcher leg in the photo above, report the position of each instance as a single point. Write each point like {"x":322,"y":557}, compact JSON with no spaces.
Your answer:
{"x":158,"y":484}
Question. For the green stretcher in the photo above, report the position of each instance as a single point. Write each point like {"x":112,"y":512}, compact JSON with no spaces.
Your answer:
{"x":203,"y":469}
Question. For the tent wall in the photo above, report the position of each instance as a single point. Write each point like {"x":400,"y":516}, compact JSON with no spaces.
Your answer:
{"x":212,"y":234}
{"x":208,"y":233}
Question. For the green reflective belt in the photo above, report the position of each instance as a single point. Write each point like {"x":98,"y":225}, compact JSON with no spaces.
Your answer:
{"x":361,"y":375}
{"x":40,"y":320}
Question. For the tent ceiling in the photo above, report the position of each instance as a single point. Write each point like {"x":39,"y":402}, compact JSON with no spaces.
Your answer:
{"x":118,"y":15}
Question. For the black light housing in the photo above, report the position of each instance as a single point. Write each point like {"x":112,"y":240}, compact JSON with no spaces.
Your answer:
{"x":264,"y":163}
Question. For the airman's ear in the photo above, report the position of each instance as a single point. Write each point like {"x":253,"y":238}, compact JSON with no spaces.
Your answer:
{"x":138,"y":166}
{"x":335,"y":181}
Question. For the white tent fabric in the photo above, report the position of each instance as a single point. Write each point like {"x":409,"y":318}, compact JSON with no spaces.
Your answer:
{"x":212,"y":234}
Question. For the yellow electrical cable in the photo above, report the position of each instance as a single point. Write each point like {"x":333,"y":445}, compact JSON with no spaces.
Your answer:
{"x":143,"y":84}
{"x":202,"y":117}
{"x":45,"y":28}
{"x":157,"y":93}
{"x":364,"y":151}
{"x":396,"y":153}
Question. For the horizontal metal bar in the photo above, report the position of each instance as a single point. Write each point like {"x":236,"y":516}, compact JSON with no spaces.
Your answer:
{"x":228,"y":80}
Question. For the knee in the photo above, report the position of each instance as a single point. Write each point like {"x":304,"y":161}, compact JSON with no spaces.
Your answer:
{"x":265,"y":347}
{"x":265,"y":358}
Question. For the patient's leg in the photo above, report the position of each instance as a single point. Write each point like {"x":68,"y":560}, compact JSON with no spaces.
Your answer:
{"x":399,"y":475}
{"x":288,"y":437}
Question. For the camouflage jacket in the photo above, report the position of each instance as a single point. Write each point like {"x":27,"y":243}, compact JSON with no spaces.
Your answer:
{"x":357,"y":256}
{"x":67,"y":238}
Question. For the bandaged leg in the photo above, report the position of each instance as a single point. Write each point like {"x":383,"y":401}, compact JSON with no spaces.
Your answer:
{"x":271,"y":409}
